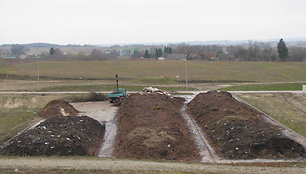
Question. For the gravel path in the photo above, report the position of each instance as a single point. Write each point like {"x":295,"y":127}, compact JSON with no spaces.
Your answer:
{"x":115,"y":165}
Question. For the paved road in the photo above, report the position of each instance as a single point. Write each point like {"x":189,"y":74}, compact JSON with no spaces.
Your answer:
{"x":86,"y":92}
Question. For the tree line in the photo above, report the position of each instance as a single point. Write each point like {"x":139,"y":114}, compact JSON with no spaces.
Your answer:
{"x":253,"y":51}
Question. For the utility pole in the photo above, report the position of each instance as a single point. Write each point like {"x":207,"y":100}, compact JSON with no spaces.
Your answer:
{"x":38,"y":87}
{"x":186,"y":78}
{"x":117,"y":79}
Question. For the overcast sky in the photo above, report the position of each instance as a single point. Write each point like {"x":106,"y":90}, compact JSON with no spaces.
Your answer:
{"x":144,"y":21}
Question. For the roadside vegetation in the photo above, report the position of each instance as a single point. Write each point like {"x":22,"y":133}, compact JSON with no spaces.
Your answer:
{"x":91,"y":96}
{"x":267,"y":87}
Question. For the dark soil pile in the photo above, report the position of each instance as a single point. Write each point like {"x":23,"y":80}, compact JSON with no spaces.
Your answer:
{"x":58,"y":108}
{"x":237,"y":131}
{"x":151,"y":127}
{"x":60,"y":136}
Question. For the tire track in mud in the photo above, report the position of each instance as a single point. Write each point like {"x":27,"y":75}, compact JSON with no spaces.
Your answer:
{"x":290,"y":100}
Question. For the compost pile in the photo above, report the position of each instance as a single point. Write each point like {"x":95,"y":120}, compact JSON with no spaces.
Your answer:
{"x":58,"y":108}
{"x":237,"y":131}
{"x":71,"y":135}
{"x":150,"y":127}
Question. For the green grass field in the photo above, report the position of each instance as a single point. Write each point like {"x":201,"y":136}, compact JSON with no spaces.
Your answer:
{"x":164,"y":71}
{"x":277,"y":106}
{"x":105,"y":87}
{"x":267,"y":87}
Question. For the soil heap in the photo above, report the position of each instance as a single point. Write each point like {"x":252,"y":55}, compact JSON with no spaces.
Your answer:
{"x":237,"y":131}
{"x":61,"y":136}
{"x":150,"y":126}
{"x":58,"y":108}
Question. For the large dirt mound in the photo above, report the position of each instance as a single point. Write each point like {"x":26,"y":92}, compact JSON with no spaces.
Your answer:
{"x":59,"y":136}
{"x":58,"y":108}
{"x":237,"y":131}
{"x":151,"y":127}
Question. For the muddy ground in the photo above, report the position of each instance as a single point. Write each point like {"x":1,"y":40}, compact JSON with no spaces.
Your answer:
{"x":237,"y":131}
{"x":105,"y":113}
{"x":150,"y":126}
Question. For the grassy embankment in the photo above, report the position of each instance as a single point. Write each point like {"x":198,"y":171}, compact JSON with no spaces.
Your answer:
{"x":267,"y":87}
{"x":13,"y":121}
{"x":279,"y":107}
{"x":105,"y":87}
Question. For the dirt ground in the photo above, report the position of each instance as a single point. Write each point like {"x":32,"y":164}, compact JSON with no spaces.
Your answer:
{"x":150,"y":126}
{"x":100,"y":111}
{"x":57,"y":108}
{"x":237,"y":131}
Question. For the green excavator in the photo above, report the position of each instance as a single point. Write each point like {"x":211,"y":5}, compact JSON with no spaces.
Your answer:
{"x":118,"y":94}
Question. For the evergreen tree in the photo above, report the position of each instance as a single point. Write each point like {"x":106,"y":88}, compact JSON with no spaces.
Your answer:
{"x":165,"y":49}
{"x":156,"y":53}
{"x":18,"y":49}
{"x":168,"y":50}
{"x":52,"y":51}
{"x":282,"y":50}
{"x":147,"y":55}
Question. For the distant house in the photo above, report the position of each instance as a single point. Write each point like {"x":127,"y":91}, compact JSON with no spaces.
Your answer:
{"x":123,"y":53}
{"x":225,"y":57}
{"x":10,"y":57}
{"x":108,"y":52}
{"x":194,"y":57}
{"x":4,"y":52}
{"x":211,"y":55}
{"x":176,"y":57}
{"x":22,"y":56}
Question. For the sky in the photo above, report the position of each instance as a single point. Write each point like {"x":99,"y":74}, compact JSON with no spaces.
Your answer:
{"x":147,"y":21}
